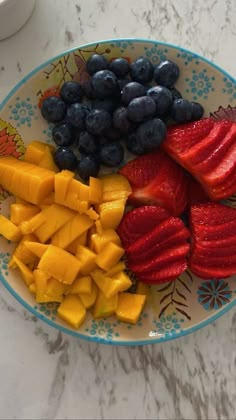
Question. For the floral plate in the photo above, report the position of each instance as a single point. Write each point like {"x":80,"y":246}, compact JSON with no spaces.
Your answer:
{"x":173,"y":309}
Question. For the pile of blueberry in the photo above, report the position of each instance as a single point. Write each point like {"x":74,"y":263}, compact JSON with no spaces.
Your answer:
{"x":121,"y":105}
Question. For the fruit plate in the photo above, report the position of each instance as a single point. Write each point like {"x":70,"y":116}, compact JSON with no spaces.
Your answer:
{"x":173,"y":309}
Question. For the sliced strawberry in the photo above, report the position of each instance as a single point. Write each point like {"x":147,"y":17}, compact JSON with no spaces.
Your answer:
{"x":212,"y":214}
{"x":140,"y":221}
{"x":157,"y":180}
{"x":216,"y":252}
{"x":210,"y":233}
{"x":226,"y":168}
{"x":163,"y":259}
{"x":166,"y":274}
{"x":224,"y":190}
{"x":212,"y":261}
{"x":196,"y":193}
{"x":213,"y":272}
{"x":181,"y":137}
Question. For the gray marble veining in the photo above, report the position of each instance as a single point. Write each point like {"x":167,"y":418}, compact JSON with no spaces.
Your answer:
{"x":47,"y":375}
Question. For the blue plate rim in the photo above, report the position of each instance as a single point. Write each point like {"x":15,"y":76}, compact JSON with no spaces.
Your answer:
{"x":51,"y":323}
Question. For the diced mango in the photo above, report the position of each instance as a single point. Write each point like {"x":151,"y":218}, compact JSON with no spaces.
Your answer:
{"x":111,"y":213}
{"x":88,"y":299}
{"x":114,"y":187}
{"x":81,"y":285}
{"x":55,"y":290}
{"x":81,"y":240}
{"x":130,"y":307}
{"x":95,"y":190}
{"x":92,"y":214}
{"x":50,"y":199}
{"x":86,"y":258}
{"x":9,"y":230}
{"x":82,"y":190}
{"x":120,"y":266}
{"x":21,"y":212}
{"x":35,"y":151}
{"x":98,"y":241}
{"x":23,"y":253}
{"x":61,"y":185}
{"x":19,"y":200}
{"x":60,"y":264}
{"x":71,"y":230}
{"x":36,"y":248}
{"x":32,"y":288}
{"x":72,"y":311}
{"x":26,"y":180}
{"x":47,"y":161}
{"x":109,"y":256}
{"x":98,"y":226}
{"x":111,"y":286}
{"x":104,"y":307}
{"x":142,"y":289}
{"x":26,"y":273}
{"x":41,"y":283}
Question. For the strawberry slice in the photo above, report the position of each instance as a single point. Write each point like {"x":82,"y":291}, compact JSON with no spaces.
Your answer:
{"x":140,"y":221}
{"x":216,"y":232}
{"x":226,"y":168}
{"x":196,"y":193}
{"x":212,"y":214}
{"x":164,"y":275}
{"x":213,"y":272}
{"x":165,"y":258}
{"x":156,"y":180}
{"x":201,"y":250}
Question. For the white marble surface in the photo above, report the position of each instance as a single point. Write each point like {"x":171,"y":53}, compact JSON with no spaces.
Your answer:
{"x":46,"y":375}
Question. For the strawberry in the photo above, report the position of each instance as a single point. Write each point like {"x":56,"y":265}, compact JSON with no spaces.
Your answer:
{"x":164,"y":275}
{"x":196,"y":193}
{"x":138,"y":222}
{"x":213,"y":247}
{"x":207,"y":149}
{"x":156,"y":180}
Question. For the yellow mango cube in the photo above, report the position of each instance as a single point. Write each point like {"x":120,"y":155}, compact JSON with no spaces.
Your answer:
{"x":62,"y":182}
{"x":88,"y":299}
{"x":109,"y":256}
{"x":35,"y":151}
{"x":95,"y":190}
{"x":71,"y":230}
{"x":80,"y":189}
{"x":120,"y":266}
{"x":87,"y":259}
{"x":81,"y":240}
{"x":50,"y":199}
{"x":129,"y":307}
{"x":23,"y":253}
{"x":104,"y":307}
{"x":36,"y":248}
{"x":92,"y":214}
{"x":81,"y":285}
{"x":115,"y":187}
{"x":55,"y":290}
{"x":26,"y":273}
{"x":9,"y":230}
{"x":142,"y":289}
{"x":98,"y":241}
{"x":47,"y":161}
{"x":111,"y":213}
{"x":32,"y":288}
{"x":41,"y":283}
{"x":21,"y":212}
{"x":111,"y":286}
{"x":72,"y":311}
{"x":60,"y":264}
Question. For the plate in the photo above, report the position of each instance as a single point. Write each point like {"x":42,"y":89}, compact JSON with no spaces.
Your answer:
{"x":173,"y":309}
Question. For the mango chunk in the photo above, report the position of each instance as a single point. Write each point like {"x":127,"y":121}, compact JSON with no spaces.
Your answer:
{"x":62,"y":181}
{"x":88,"y":299}
{"x":9,"y":230}
{"x":142,"y":289}
{"x":109,"y":256}
{"x":104,"y":307}
{"x":111,"y":213}
{"x":81,"y":285}
{"x":92,"y":214}
{"x":129,"y":307}
{"x":26,"y":273}
{"x":80,"y":189}
{"x":111,"y":286}
{"x":36,"y":248}
{"x":50,"y":199}
{"x":32,"y":288}
{"x":86,"y":258}
{"x":35,"y":151}
{"x":114,"y":187}
{"x":120,"y":266}
{"x":60,"y":264}
{"x":23,"y":253}
{"x":95,"y":190}
{"x":72,"y":311}
{"x":25,"y":180}
{"x":48,"y":289}
{"x":81,"y":240}
{"x":98,"y":241}
{"x":21,"y":212}
{"x":71,"y":230}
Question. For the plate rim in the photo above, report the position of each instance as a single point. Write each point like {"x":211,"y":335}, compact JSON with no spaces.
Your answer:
{"x":39,"y":315}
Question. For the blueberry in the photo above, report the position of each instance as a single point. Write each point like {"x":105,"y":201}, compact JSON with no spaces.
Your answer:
{"x":104,"y":84}
{"x":113,"y":134}
{"x":120,"y":66}
{"x":98,"y":121}
{"x":141,"y":70}
{"x":111,"y":154}
{"x":132,"y":90}
{"x":166,"y":73}
{"x":96,"y":63}
{"x":62,"y":134}
{"x":87,"y":143}
{"x":151,"y":134}
{"x":197,"y":111}
{"x":122,"y":83}
{"x":175,"y":93}
{"x":140,"y":109}
{"x":88,"y":89}
{"x":108,"y":104}
{"x":103,"y":140}
{"x":133,"y":145}
{"x":88,"y":166}
{"x":65,"y":159}
{"x":76,"y":115}
{"x":71,"y":92}
{"x":181,"y":110}
{"x":162,"y":98}
{"x":53,"y":109}
{"x":121,"y":121}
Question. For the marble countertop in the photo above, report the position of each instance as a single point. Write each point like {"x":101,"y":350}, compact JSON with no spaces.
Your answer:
{"x":47,"y":375}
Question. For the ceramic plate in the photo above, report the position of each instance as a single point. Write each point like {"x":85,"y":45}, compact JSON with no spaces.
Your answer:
{"x":173,"y":309}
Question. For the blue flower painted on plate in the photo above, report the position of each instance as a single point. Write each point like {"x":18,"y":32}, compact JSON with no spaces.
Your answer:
{"x":143,"y":316}
{"x":47,"y":132}
{"x":4,"y":260}
{"x":48,"y":309}
{"x":229,"y":89}
{"x":200,"y":84}
{"x":168,"y":325}
{"x":188,"y":58}
{"x":123,"y":45}
{"x":23,"y":112}
{"x":156,"y":54}
{"x":214,"y":294}
{"x":102,"y":329}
